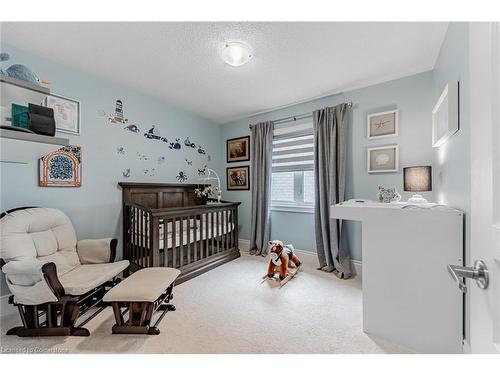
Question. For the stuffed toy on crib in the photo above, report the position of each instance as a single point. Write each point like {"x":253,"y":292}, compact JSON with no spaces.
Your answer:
{"x":281,"y":258}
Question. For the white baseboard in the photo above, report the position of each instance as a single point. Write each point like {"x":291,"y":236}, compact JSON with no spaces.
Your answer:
{"x":309,"y":258}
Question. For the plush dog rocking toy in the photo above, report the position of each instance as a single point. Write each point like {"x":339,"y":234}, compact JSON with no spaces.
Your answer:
{"x":283,"y":261}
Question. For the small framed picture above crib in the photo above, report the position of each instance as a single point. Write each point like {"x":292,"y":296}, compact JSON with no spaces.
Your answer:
{"x":238,"y":178}
{"x":238,"y":149}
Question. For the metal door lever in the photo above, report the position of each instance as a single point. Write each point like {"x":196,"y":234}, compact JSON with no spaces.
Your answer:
{"x":479,"y":273}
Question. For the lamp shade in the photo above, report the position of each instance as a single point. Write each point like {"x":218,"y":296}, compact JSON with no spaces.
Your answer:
{"x":417,"y":178}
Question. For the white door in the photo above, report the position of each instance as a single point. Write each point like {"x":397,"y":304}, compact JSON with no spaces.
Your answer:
{"x":485,"y":188}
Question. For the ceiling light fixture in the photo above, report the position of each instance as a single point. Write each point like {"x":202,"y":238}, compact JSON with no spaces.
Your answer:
{"x":236,"y":53}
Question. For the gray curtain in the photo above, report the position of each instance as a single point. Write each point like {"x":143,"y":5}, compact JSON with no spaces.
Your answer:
{"x":260,"y":230}
{"x":330,"y":138}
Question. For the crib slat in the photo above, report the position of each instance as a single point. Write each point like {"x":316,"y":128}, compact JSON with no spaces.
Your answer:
{"x":202,"y":231}
{"x":195,"y":235}
{"x":207,"y":234}
{"x":227,"y":228}
{"x":141,"y":239}
{"x":233,"y":215}
{"x":217,"y":219}
{"x":181,"y":242}
{"x":174,"y":242}
{"x":165,"y":242}
{"x":212,"y":233}
{"x":189,"y":239}
{"x":135,"y":236}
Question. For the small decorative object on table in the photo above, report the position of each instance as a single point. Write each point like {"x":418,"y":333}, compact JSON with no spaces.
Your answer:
{"x":201,"y":195}
{"x":283,"y":261}
{"x":388,"y":195}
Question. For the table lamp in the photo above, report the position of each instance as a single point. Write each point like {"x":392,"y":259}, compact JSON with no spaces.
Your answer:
{"x":417,"y":179}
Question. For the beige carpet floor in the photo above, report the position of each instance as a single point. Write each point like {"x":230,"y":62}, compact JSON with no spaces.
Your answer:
{"x":227,"y":310}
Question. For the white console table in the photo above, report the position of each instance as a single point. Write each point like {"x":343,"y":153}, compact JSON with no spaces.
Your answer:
{"x":408,"y":297}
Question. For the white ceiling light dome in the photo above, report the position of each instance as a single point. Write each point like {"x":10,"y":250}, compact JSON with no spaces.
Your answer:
{"x":236,"y":53}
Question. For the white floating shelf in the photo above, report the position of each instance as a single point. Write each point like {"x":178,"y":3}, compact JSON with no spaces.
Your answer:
{"x":20,"y":147}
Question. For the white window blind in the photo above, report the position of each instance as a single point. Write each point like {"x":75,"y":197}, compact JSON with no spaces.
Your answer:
{"x":293,"y":148}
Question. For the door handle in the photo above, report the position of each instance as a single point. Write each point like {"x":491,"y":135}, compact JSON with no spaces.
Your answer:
{"x":478,"y":272}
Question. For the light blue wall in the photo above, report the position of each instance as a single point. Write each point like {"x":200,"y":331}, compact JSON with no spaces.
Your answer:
{"x":452,"y":159}
{"x":413,"y":96}
{"x":95,"y":208}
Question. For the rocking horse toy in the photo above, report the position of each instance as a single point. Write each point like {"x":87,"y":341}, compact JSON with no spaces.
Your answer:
{"x":282,"y":261}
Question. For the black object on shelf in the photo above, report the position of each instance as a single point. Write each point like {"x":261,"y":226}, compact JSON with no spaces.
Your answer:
{"x":41,"y":120}
{"x":16,"y":129}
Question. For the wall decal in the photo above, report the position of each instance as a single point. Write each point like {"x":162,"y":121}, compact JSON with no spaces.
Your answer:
{"x":182,"y":177}
{"x":189,"y":162}
{"x":188,"y":143}
{"x":175,"y":145}
{"x":61,"y":167}
{"x":201,"y":150}
{"x":202,"y":172}
{"x":142,"y":156}
{"x":153,"y":133}
{"x":150,"y":172}
{"x":161,"y":159}
{"x":126,"y":173}
{"x":120,"y":150}
{"x":118,"y":118}
{"x":133,"y":128}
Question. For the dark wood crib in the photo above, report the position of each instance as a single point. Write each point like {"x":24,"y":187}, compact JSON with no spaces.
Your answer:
{"x":163,"y":227}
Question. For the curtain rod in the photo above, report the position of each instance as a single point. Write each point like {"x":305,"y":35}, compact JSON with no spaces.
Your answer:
{"x":297,"y":117}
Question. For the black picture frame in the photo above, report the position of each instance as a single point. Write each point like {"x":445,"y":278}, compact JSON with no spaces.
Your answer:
{"x":247,"y":149}
{"x":236,"y":187}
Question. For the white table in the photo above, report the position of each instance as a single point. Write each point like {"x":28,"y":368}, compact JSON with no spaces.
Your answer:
{"x":408,"y":296}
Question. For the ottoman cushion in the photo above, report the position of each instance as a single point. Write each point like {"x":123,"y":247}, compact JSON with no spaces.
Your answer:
{"x":145,"y":285}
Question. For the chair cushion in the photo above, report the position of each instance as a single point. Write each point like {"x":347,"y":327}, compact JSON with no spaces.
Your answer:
{"x":43,"y":233}
{"x":145,"y":285}
{"x":86,"y":277}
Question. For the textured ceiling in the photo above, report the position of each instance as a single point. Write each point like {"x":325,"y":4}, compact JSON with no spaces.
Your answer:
{"x":180,"y":62}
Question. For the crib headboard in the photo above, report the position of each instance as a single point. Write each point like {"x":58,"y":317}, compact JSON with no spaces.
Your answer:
{"x":158,"y":195}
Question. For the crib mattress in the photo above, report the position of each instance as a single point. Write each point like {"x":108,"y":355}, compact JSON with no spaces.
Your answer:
{"x":207,"y":233}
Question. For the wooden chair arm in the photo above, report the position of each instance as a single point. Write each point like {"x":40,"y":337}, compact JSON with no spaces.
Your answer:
{"x":49,"y":272}
{"x":112,"y":250}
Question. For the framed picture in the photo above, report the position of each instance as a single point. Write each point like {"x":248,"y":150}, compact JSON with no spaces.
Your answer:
{"x":445,"y":115}
{"x":382,"y":124}
{"x":238,"y":149}
{"x":62,"y":167}
{"x":66,"y":113}
{"x":238,"y":178}
{"x":383,"y":159}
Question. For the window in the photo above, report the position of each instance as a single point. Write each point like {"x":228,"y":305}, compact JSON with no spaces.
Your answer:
{"x":293,"y":161}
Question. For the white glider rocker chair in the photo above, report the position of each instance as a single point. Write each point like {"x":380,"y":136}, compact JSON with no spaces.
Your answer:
{"x":52,"y":274}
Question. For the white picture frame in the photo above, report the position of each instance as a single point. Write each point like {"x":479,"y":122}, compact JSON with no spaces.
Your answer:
{"x":66,"y":113}
{"x":376,"y":130}
{"x":383,"y":159}
{"x":445,"y":115}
